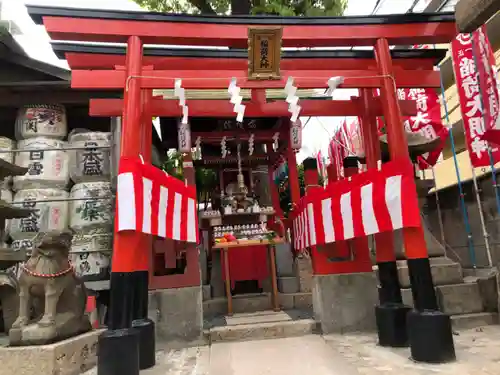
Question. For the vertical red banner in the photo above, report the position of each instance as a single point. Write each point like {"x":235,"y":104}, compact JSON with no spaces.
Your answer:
{"x":467,"y":80}
{"x":427,"y":122}
{"x":488,"y":83}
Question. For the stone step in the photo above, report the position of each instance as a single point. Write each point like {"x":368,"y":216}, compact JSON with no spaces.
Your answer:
{"x":470,"y":321}
{"x":444,"y":272}
{"x":241,"y":304}
{"x":454,"y":299}
{"x":257,"y":302}
{"x":288,"y":284}
{"x":262,"y":325}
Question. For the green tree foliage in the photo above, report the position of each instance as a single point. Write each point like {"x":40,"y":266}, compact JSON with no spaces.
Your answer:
{"x":276,"y":7}
{"x":206,"y":179}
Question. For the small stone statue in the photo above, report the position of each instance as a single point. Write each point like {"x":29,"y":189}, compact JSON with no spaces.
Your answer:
{"x":49,"y":286}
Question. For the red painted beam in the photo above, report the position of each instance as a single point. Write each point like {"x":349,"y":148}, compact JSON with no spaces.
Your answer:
{"x":222,"y":108}
{"x":236,"y":35}
{"x":103,"y":61}
{"x":219,"y":79}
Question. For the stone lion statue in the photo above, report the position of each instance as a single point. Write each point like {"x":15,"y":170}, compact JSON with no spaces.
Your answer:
{"x":51,"y":299}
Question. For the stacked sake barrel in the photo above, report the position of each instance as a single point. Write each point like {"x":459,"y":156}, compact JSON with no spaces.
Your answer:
{"x":91,"y":204}
{"x":40,"y":131}
{"x":6,"y":147}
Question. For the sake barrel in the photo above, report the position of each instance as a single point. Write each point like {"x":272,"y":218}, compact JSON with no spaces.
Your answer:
{"x":40,"y":120}
{"x":46,"y":169}
{"x":7,"y":144}
{"x":90,"y":254}
{"x":48,"y":220}
{"x":91,"y":206}
{"x":90,"y":164}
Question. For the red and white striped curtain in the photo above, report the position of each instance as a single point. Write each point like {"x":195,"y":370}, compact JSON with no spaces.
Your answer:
{"x":371,"y":202}
{"x":153,"y":202}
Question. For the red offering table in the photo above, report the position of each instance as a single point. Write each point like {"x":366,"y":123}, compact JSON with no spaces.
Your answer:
{"x":243,"y":246}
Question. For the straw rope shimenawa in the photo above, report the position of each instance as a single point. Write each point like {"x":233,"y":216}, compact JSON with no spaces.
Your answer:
{"x":246,"y":93}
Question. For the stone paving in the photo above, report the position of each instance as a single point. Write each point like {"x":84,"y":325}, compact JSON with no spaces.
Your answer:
{"x":478,"y":353}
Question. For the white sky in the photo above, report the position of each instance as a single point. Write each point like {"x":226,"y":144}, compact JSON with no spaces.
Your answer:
{"x":35,"y":41}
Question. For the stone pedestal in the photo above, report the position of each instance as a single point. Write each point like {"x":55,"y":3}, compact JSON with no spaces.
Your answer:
{"x":304,"y":270}
{"x":177,"y":313}
{"x":69,"y":357}
{"x":345,"y":303}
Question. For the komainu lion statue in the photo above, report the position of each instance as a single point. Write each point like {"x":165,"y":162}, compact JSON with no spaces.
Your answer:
{"x":52,"y":299}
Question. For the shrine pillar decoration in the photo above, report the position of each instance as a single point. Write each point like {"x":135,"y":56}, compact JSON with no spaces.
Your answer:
{"x":391,"y":327}
{"x":425,"y":318}
{"x":340,"y":284}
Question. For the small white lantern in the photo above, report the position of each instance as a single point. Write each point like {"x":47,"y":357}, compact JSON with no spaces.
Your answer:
{"x":296,"y":135}
{"x":184,"y":137}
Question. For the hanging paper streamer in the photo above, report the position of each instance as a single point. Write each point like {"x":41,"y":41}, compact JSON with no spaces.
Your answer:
{"x":223,"y":147}
{"x":236,"y":99}
{"x":333,"y":84}
{"x":251,"y":144}
{"x":180,"y":93}
{"x":276,"y":138}
{"x":198,"y":148}
{"x":292,"y":99}
{"x":184,"y":132}
{"x":466,"y":77}
{"x":296,"y":135}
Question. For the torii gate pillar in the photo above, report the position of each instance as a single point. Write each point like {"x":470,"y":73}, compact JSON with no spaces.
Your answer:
{"x":437,"y":347}
{"x":128,"y":345}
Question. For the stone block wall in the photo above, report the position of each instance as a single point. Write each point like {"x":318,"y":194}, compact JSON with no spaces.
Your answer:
{"x":455,"y":233}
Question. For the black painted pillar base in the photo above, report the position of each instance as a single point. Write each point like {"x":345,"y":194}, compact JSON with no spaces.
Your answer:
{"x":147,"y":352}
{"x":429,"y":330}
{"x":390,"y":288}
{"x":118,"y":352}
{"x":391,"y":325}
{"x":128,"y":312}
{"x":431,"y":337}
{"x":391,"y":313}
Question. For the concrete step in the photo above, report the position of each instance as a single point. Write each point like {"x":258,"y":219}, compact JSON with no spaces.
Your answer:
{"x":300,"y":301}
{"x":241,"y":304}
{"x":261,"y":325}
{"x":207,"y":292}
{"x":470,"y":321}
{"x":444,"y":272}
{"x":454,"y":299}
{"x":247,"y":303}
{"x":288,"y":284}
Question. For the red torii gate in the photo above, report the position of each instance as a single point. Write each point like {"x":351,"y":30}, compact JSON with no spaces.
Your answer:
{"x":138,"y":74}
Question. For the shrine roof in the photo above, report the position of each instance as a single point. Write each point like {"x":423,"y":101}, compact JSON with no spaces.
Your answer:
{"x":38,"y":12}
{"x":61,"y":48}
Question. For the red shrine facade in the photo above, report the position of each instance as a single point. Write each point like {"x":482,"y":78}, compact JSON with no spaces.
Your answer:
{"x":240,"y":153}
